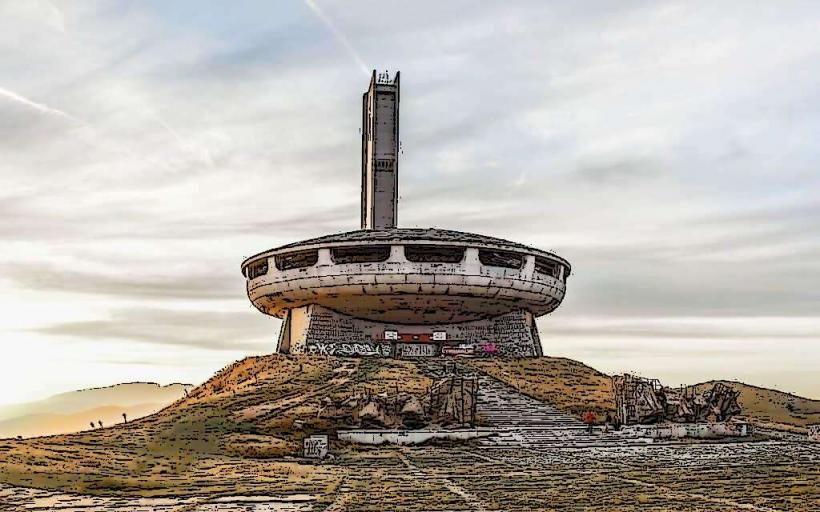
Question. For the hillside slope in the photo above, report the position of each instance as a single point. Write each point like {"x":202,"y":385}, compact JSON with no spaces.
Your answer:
{"x":574,"y":387}
{"x":570,"y":386}
{"x":238,"y":432}
{"x":34,"y":425}
{"x":772,"y":408}
{"x":73,"y":411}
{"x":231,"y":434}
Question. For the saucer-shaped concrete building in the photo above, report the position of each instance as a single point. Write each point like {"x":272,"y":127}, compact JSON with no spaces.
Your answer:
{"x":390,"y":291}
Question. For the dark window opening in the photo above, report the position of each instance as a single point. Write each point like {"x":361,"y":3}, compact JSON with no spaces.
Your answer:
{"x":257,"y":268}
{"x":384,"y":164}
{"x":500,"y":258}
{"x":298,"y":259}
{"x":360,"y":254}
{"x":433,"y":253}
{"x":547,"y":267}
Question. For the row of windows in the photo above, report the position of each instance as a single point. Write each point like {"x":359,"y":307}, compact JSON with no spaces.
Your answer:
{"x":413,"y":253}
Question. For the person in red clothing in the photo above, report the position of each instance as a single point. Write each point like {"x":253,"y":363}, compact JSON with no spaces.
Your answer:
{"x":589,"y":419}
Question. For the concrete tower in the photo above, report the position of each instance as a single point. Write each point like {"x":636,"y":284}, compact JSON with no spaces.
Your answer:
{"x":403,"y":292}
{"x":380,"y":152}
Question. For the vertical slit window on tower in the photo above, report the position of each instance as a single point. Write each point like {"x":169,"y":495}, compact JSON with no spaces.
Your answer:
{"x":504,"y":259}
{"x":546,"y":267}
{"x":360,"y":254}
{"x":297,"y":259}
{"x":433,"y":254}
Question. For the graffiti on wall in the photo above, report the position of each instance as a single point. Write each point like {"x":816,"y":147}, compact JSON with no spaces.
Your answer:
{"x":345,"y":349}
{"x":417,"y":350}
{"x":315,"y":447}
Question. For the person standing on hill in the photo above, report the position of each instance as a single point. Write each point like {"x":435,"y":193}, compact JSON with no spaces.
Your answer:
{"x":589,"y":419}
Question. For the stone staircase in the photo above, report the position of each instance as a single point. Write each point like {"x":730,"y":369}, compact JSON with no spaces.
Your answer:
{"x":518,"y":420}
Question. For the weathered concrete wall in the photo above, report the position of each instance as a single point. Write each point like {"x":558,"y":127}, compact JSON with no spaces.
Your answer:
{"x":814,"y":433}
{"x":380,"y":154}
{"x":691,"y":430}
{"x":401,"y":291}
{"x":409,"y":437}
{"x":318,"y":330}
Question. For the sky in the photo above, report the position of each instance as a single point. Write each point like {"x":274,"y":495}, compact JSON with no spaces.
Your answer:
{"x":668,"y":150}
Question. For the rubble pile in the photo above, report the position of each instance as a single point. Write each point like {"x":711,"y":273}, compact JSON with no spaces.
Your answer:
{"x":644,"y":401}
{"x":450,"y":402}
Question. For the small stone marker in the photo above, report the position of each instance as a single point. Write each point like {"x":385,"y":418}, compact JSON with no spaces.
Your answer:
{"x":316,"y":447}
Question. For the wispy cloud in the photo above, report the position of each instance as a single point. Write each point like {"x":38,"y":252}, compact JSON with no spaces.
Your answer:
{"x":213,"y":330}
{"x":667,"y":151}
{"x":40,"y":107}
{"x":184,"y":284}
{"x":338,"y":34}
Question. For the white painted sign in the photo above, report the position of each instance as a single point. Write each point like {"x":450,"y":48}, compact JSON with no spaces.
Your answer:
{"x":439,"y":336}
{"x":316,"y":447}
{"x":391,"y":335}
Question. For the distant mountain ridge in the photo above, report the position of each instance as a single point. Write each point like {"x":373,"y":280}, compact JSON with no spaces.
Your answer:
{"x":75,"y":410}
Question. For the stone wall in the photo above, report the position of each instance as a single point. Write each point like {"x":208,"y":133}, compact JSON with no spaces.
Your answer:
{"x":319,"y":330}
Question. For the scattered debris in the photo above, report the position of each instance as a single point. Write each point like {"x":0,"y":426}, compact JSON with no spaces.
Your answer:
{"x":450,"y":402}
{"x":640,"y":401}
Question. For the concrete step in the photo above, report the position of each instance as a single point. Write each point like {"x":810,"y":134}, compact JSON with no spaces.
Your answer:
{"x":520,"y":420}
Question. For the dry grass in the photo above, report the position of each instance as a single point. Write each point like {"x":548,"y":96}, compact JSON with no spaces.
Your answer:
{"x":238,"y":432}
{"x":570,"y":386}
{"x":775,"y":409}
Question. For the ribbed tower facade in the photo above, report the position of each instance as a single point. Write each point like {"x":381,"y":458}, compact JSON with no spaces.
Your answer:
{"x":380,"y":152}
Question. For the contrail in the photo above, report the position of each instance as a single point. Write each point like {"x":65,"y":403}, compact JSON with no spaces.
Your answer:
{"x":91,"y":134}
{"x":40,"y":107}
{"x":338,"y":35}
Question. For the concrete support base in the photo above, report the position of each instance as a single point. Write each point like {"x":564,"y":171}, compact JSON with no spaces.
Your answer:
{"x":688,"y":430}
{"x":315,"y":329}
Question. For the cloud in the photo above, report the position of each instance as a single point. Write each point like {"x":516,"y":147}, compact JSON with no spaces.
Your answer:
{"x":715,"y":328}
{"x":183,"y":285}
{"x":618,"y":172}
{"x":667,"y":151}
{"x":212,"y":330}
{"x":338,"y":34}
{"x":39,"y":107}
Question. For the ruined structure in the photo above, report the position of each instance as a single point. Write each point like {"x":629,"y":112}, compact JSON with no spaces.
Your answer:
{"x":638,"y":400}
{"x":450,"y":402}
{"x":389,"y":291}
{"x":645,"y":401}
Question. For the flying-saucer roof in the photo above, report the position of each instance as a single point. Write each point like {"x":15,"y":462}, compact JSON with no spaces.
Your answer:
{"x":404,"y":235}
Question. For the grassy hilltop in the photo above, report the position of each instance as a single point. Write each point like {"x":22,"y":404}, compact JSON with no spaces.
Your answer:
{"x":238,"y":432}
{"x":232,"y":433}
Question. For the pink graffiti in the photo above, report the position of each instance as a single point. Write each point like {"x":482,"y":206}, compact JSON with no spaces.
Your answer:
{"x":489,"y":348}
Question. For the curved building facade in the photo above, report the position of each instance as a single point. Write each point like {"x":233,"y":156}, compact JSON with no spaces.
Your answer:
{"x":384,"y":290}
